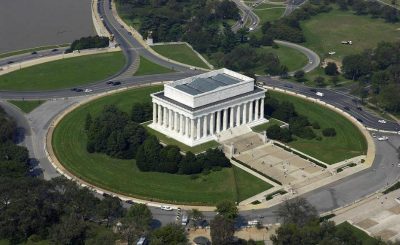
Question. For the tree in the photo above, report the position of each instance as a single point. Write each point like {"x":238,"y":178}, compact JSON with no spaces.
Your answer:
{"x":319,"y":81}
{"x":71,"y":230}
{"x":329,"y":132}
{"x":222,"y":230}
{"x":173,"y":234}
{"x":331,"y":69}
{"x":297,"y":211}
{"x":110,"y":208}
{"x":334,"y":80}
{"x":196,"y":216}
{"x":227,"y":209}
{"x":355,"y":66}
{"x":88,"y":121}
{"x":136,"y":223}
{"x":299,"y":75}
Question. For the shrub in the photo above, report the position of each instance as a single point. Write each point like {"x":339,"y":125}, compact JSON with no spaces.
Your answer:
{"x":329,"y":132}
{"x":316,"y":125}
{"x":331,"y":69}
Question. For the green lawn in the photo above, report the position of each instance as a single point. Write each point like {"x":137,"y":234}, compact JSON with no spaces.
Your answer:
{"x":147,"y":67}
{"x":247,"y":185}
{"x":122,"y":176}
{"x":181,"y":53}
{"x":364,"y":237}
{"x":348,"y":142}
{"x":269,"y":12}
{"x":170,"y":141}
{"x":324,"y":33}
{"x":265,"y":126}
{"x":65,"y":73}
{"x":27,"y":105}
{"x":24,"y":51}
{"x":292,"y":58}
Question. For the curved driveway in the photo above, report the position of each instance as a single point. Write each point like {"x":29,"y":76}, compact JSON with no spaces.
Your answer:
{"x":334,"y":195}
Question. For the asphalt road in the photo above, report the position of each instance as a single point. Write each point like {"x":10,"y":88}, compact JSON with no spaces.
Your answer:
{"x":346,"y":102}
{"x":313,"y":58}
{"x":339,"y":193}
{"x":249,"y":18}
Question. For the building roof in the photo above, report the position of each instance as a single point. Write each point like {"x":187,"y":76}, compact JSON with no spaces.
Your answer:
{"x":201,"y":85}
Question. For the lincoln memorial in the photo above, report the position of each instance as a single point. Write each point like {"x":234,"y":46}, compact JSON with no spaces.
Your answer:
{"x":197,"y":109}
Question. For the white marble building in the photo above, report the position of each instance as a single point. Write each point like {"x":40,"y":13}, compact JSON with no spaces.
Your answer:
{"x":195,"y":110}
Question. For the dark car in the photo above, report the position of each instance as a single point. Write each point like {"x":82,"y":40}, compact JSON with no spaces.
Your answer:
{"x":54,"y":50}
{"x":34,"y":52}
{"x":359,"y":108}
{"x":359,"y":119}
{"x":130,"y":202}
{"x":77,"y":89}
{"x":10,"y":62}
{"x":313,"y":90}
{"x":288,"y":85}
{"x":116,"y":83}
{"x":346,"y":108}
{"x":110,"y":82}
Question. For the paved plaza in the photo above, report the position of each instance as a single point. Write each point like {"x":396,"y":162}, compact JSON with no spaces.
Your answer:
{"x":379,"y":216}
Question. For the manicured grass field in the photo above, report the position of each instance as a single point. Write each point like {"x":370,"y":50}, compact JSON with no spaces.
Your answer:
{"x":27,"y":105}
{"x":247,"y":185}
{"x":24,"y":51}
{"x":364,"y":237}
{"x":269,"y":12}
{"x":292,"y":58}
{"x":348,"y":142}
{"x":65,"y":73}
{"x":324,"y":33}
{"x":265,"y":126}
{"x":122,"y":176}
{"x":181,"y":53}
{"x":147,"y":67}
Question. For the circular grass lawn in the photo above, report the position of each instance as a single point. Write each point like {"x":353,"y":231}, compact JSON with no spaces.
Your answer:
{"x":122,"y":176}
{"x":64,"y":73}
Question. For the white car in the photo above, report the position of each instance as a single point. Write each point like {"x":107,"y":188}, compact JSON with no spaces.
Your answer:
{"x":251,"y":29}
{"x":332,"y":53}
{"x":383,"y":138}
{"x":382,"y":121}
{"x":166,"y":208}
{"x":88,"y":90}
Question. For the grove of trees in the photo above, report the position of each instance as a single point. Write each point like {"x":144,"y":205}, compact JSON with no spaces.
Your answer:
{"x":121,"y":135}
{"x":88,"y":43}
{"x":378,"y":74}
{"x":299,"y":125}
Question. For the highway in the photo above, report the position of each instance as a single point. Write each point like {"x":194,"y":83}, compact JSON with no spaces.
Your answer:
{"x":249,"y":18}
{"x":332,"y":196}
{"x":346,"y":102}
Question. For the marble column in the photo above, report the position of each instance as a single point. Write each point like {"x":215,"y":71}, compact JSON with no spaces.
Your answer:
{"x":212,"y":123}
{"x":205,"y":125}
{"x":159,"y":119}
{"x":231,"y":118}
{"x":198,"y":135}
{"x":218,"y":121}
{"x":237,"y":115}
{"x":154,"y":113}
{"x":251,"y":111}
{"x":262,"y":108}
{"x":193,"y":129}
{"x":181,"y":124}
{"x":165,"y":117}
{"x":225,"y":120}
{"x":171,"y":119}
{"x":256,"y":111}
{"x":176,"y":128}
{"x":187,"y":131}
{"x":244,"y":113}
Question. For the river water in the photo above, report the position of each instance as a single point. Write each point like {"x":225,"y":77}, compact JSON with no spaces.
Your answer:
{"x":32,"y":23}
